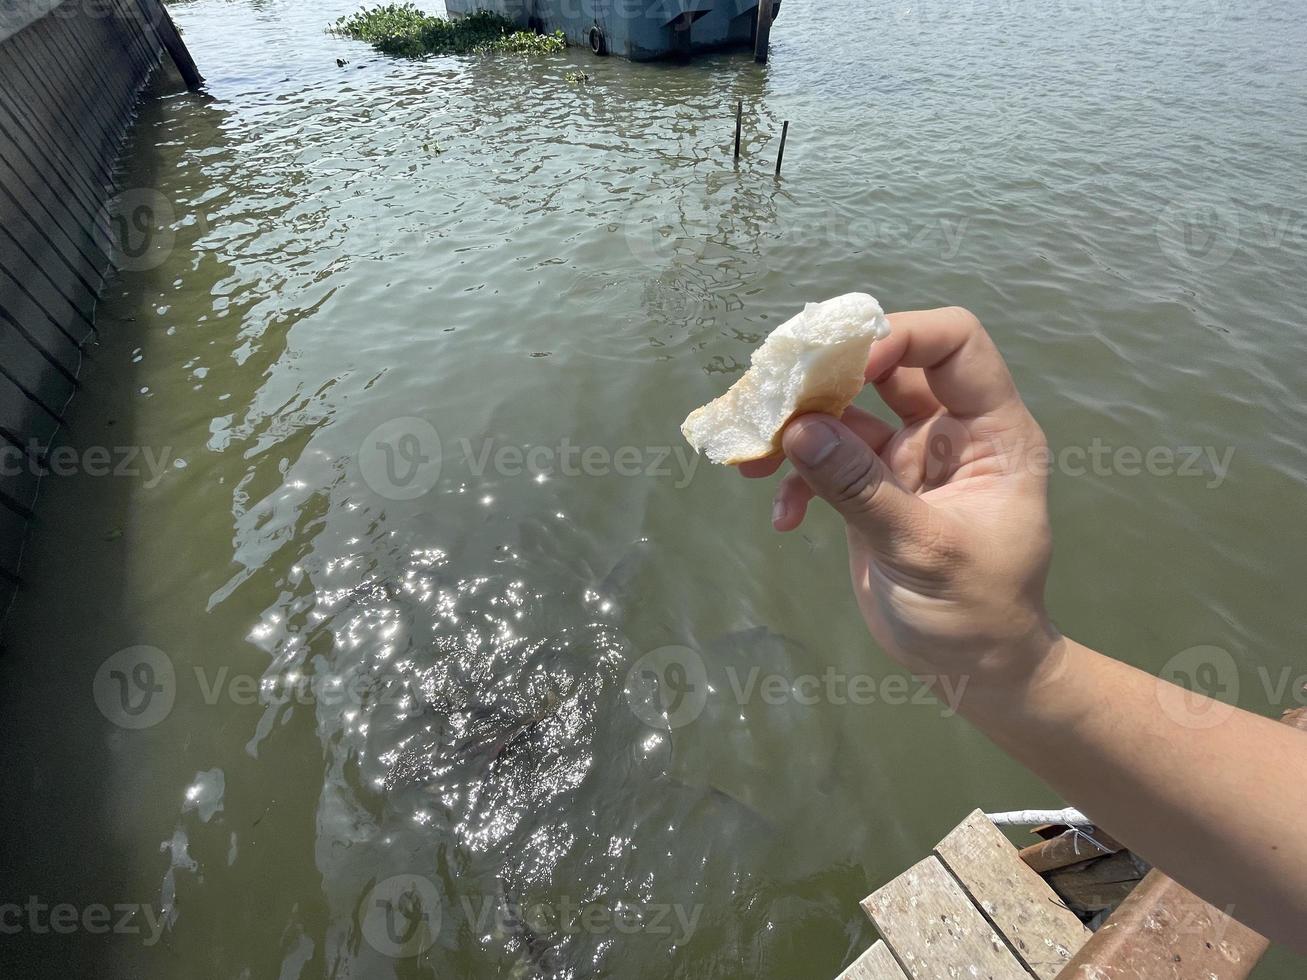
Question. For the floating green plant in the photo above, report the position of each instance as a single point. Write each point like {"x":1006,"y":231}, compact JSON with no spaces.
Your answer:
{"x":402,"y":29}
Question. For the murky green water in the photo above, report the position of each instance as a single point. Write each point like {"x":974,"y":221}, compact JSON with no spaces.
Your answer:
{"x":409,"y":518}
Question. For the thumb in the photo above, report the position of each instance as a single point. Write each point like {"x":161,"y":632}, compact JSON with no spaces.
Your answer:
{"x":842,"y":470}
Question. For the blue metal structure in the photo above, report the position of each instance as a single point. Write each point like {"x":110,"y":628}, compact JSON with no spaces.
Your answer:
{"x":641,"y":30}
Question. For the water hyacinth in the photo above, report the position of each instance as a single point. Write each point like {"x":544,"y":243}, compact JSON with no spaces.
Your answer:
{"x":404,"y":30}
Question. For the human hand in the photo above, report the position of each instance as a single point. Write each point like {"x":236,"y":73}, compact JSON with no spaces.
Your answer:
{"x":947,"y":524}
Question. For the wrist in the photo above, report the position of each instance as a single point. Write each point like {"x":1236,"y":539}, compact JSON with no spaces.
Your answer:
{"x":1020,"y":677}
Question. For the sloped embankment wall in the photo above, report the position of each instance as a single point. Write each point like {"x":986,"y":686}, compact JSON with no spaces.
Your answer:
{"x":71,"y":72}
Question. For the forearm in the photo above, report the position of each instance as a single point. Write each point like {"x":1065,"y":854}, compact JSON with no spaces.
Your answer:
{"x":1218,"y":808}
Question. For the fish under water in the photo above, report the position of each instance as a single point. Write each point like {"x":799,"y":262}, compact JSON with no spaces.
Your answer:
{"x":616,"y":586}
{"x":488,"y":737}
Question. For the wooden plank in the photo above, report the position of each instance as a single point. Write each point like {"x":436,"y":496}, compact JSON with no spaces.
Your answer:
{"x":1165,"y":932}
{"x":1099,"y":884}
{"x":934,"y":931}
{"x":877,"y":963}
{"x":1069,"y":847}
{"x":1041,"y":931}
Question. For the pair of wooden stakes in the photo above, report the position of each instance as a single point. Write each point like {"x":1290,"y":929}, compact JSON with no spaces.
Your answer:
{"x":739,"y":122}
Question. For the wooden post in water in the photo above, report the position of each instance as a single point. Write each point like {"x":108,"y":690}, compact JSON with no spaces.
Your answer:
{"x":739,"y":119}
{"x":762,"y":37}
{"x":780,"y":154}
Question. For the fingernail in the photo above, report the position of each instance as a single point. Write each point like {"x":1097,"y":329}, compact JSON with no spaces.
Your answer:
{"x":812,"y":441}
{"x":778,"y":511}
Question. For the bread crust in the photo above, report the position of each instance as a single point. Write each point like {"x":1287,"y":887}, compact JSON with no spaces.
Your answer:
{"x":814,"y":362}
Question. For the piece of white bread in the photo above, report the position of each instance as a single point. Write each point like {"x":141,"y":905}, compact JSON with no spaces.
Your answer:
{"x":813,"y":362}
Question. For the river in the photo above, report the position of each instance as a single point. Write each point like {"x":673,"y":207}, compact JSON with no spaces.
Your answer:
{"x":404,"y":538}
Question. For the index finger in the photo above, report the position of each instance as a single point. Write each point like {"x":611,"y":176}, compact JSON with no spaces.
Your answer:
{"x":757,"y":469}
{"x":962,"y":365}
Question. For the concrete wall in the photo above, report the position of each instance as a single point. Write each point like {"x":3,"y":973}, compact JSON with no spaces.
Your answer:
{"x":70,"y":75}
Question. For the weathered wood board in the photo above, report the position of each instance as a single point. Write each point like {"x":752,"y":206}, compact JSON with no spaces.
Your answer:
{"x":1163,"y":931}
{"x":1042,"y":932}
{"x":877,"y":963}
{"x":1097,"y":885}
{"x":935,"y":931}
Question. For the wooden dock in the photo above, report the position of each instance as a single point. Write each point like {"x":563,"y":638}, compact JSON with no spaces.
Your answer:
{"x":977,"y":907}
{"x":1075,"y":905}
{"x":972,"y":905}
{"x":71,"y":72}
